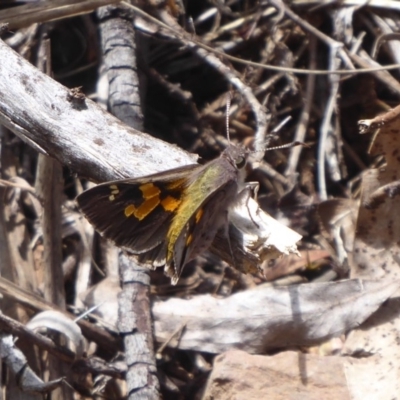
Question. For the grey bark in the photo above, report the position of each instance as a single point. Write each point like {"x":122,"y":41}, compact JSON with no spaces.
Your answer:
{"x":119,"y":52}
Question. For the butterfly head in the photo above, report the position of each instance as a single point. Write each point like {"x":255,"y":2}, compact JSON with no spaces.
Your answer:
{"x":236,"y":155}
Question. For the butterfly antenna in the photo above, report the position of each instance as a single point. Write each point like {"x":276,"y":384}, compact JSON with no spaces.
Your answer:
{"x":271,"y":135}
{"x":228,"y":108}
{"x":287,"y":146}
{"x":284,"y":146}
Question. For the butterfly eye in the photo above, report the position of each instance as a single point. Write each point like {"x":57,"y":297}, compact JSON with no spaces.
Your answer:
{"x":240,"y":162}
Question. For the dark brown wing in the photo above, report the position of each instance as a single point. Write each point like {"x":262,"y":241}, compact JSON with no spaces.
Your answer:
{"x":136,"y":213}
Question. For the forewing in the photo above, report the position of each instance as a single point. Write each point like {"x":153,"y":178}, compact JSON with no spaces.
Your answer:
{"x":136,"y":213}
{"x":213,"y":189}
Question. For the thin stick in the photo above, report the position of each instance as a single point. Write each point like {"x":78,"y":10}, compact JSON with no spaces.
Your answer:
{"x":301,"y":129}
{"x":298,"y":71}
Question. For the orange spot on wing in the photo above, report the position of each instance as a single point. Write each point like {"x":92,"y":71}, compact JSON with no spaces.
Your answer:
{"x":170,"y":203}
{"x":176,"y":184}
{"x":143,"y":210}
{"x":198,"y":215}
{"x":149,"y":190}
{"x":147,"y":207}
{"x":189,"y":240}
{"x":129,"y":210}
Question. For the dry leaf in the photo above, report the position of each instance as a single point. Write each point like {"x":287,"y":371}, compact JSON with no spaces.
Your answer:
{"x":338,"y":220}
{"x":376,"y":248}
{"x":269,"y":317}
{"x":59,"y":322}
{"x":292,"y":263}
{"x":376,"y":343}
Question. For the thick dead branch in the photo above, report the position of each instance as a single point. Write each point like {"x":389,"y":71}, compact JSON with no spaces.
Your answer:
{"x":19,"y":330}
{"x":42,"y":11}
{"x":85,"y":137}
{"x":136,"y":327}
{"x":28,"y":381}
{"x":119,"y":47}
{"x":49,"y":185}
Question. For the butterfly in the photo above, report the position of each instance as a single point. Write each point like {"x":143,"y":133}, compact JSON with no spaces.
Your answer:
{"x":170,"y":217}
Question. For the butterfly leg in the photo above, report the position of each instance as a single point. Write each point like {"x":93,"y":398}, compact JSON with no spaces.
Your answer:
{"x":253,"y":187}
{"x":226,"y":234}
{"x":251,"y":190}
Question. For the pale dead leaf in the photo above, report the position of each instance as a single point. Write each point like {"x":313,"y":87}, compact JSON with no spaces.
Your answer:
{"x":377,"y":254}
{"x":59,"y":322}
{"x":377,"y":246}
{"x":269,"y":317}
{"x":104,"y":296}
{"x":376,"y":343}
{"x":255,"y":234}
{"x":292,"y":263}
{"x":338,"y":223}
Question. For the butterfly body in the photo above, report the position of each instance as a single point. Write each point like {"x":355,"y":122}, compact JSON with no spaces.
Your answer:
{"x":169,"y":217}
